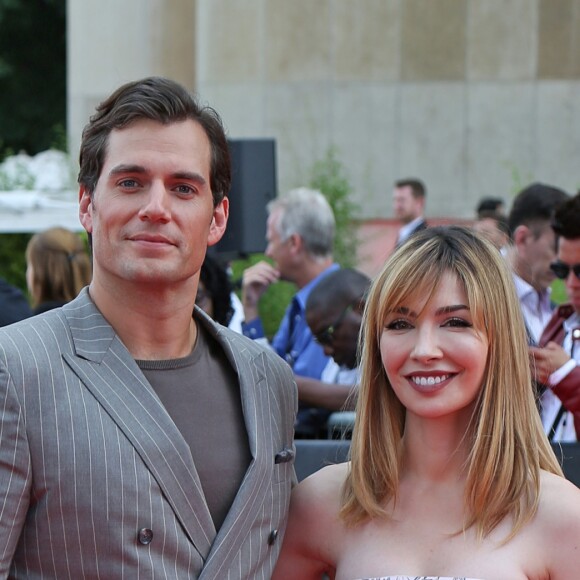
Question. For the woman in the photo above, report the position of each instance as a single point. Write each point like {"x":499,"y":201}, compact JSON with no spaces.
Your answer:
{"x":58,"y":267}
{"x":450,"y":472}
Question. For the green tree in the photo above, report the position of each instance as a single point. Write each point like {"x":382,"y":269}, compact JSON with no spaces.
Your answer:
{"x":32,"y":75}
{"x":328,"y":175}
{"x":12,"y":258}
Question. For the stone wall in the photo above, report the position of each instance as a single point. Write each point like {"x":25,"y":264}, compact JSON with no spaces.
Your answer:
{"x":476,"y":97}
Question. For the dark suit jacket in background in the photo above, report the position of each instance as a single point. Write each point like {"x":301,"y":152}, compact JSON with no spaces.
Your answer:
{"x":420,"y":226}
{"x":13,"y":304}
{"x":91,"y":463}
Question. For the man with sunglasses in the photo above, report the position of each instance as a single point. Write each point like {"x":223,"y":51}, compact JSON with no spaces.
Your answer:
{"x":557,"y":359}
{"x":334,"y":314}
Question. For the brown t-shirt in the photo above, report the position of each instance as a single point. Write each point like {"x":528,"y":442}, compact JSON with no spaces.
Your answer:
{"x":201,"y":394}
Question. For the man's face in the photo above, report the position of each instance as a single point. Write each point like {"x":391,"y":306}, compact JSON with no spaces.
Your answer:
{"x":151,"y":215}
{"x":569,"y":253}
{"x":277,"y":250}
{"x":489,"y":228}
{"x":406,"y":207}
{"x":343,"y":321}
{"x":538,"y":251}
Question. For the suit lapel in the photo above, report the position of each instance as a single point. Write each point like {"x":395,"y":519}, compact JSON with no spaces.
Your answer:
{"x":257,"y":416}
{"x":109,"y":372}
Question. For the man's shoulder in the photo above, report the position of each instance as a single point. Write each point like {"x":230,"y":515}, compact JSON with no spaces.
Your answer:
{"x":47,"y":323}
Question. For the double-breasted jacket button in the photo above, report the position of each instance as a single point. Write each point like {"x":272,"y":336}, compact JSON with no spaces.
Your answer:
{"x":272,"y":537}
{"x":145,"y":535}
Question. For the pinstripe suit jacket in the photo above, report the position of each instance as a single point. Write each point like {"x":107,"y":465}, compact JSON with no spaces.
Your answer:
{"x":89,"y":458}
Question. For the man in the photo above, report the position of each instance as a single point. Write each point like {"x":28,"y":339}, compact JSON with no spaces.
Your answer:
{"x":487,"y":205}
{"x":494,"y":227}
{"x":137,"y":440}
{"x":300,"y":235}
{"x":556,"y":364}
{"x":334,"y":314}
{"x":409,"y":205}
{"x":13,"y":304}
{"x":532,"y":250}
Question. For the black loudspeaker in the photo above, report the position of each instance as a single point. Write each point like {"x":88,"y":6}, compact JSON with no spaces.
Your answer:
{"x":253,"y":186}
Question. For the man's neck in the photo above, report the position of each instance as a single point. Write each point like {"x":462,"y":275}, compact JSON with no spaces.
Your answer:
{"x":152,"y":324}
{"x":311,"y":269}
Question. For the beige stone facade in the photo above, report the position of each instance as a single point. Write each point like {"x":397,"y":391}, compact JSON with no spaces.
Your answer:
{"x":476,"y":97}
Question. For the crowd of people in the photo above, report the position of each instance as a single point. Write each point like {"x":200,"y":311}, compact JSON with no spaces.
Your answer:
{"x":148,"y":422}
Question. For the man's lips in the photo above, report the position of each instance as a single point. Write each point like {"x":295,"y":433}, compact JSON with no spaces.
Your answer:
{"x":152,"y":239}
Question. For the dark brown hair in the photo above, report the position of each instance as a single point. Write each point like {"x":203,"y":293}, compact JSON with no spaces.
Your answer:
{"x":158,"y":99}
{"x":417,"y":186}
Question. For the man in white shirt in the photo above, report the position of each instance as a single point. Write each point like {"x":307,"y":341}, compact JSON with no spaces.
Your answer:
{"x":532,"y":250}
{"x":556,"y":363}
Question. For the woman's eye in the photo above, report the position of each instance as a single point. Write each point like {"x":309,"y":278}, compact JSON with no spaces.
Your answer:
{"x":458,"y":323}
{"x":398,"y":324}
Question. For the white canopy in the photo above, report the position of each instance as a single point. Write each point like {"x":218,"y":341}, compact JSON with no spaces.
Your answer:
{"x":37,"y":193}
{"x":33,"y":211}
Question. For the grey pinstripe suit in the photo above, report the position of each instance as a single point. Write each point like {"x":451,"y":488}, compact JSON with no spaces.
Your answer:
{"x":89,"y":457}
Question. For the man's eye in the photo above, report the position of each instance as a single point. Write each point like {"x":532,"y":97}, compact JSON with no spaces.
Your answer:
{"x":184,"y":189}
{"x":128,"y":183}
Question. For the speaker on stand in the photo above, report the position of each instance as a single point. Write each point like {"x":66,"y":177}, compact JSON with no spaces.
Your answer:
{"x":253,"y":186}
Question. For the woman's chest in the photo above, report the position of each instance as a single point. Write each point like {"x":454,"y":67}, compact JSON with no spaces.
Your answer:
{"x":426,"y":549}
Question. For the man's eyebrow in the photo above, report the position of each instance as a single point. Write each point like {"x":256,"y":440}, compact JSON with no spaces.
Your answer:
{"x":128,"y":168}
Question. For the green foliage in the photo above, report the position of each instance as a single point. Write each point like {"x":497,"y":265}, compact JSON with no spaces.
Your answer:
{"x":12,"y":258}
{"x":559,"y":295}
{"x":275,"y":299}
{"x":328,"y":176}
{"x":23,"y":179}
{"x":32,"y":75}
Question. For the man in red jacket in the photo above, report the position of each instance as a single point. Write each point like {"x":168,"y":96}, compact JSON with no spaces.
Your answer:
{"x":557,"y":360}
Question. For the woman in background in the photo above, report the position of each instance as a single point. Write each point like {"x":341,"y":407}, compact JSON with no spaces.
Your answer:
{"x":57,"y":268}
{"x":451,"y":474}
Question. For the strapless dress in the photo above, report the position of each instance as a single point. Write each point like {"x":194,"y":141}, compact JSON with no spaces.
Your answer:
{"x":419,"y":578}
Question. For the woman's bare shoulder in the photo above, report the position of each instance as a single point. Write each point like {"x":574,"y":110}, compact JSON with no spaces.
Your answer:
{"x":558,"y":523}
{"x":558,"y":496}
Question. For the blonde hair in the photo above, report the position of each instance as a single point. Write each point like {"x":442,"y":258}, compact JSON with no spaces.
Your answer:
{"x":505,"y":437}
{"x":60,"y":264}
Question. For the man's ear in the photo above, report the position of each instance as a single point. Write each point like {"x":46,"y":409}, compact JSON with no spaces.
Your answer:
{"x":86,"y":209}
{"x":521,"y":235}
{"x":296,"y":243}
{"x":219,"y":221}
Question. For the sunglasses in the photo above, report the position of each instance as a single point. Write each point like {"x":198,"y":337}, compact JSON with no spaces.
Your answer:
{"x":561,"y":269}
{"x":326,"y":336}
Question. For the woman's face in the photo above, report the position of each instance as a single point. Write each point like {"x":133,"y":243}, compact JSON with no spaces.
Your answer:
{"x":433,"y":356}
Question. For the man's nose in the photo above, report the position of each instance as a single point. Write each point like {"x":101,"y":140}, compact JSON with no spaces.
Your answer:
{"x":156,"y":205}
